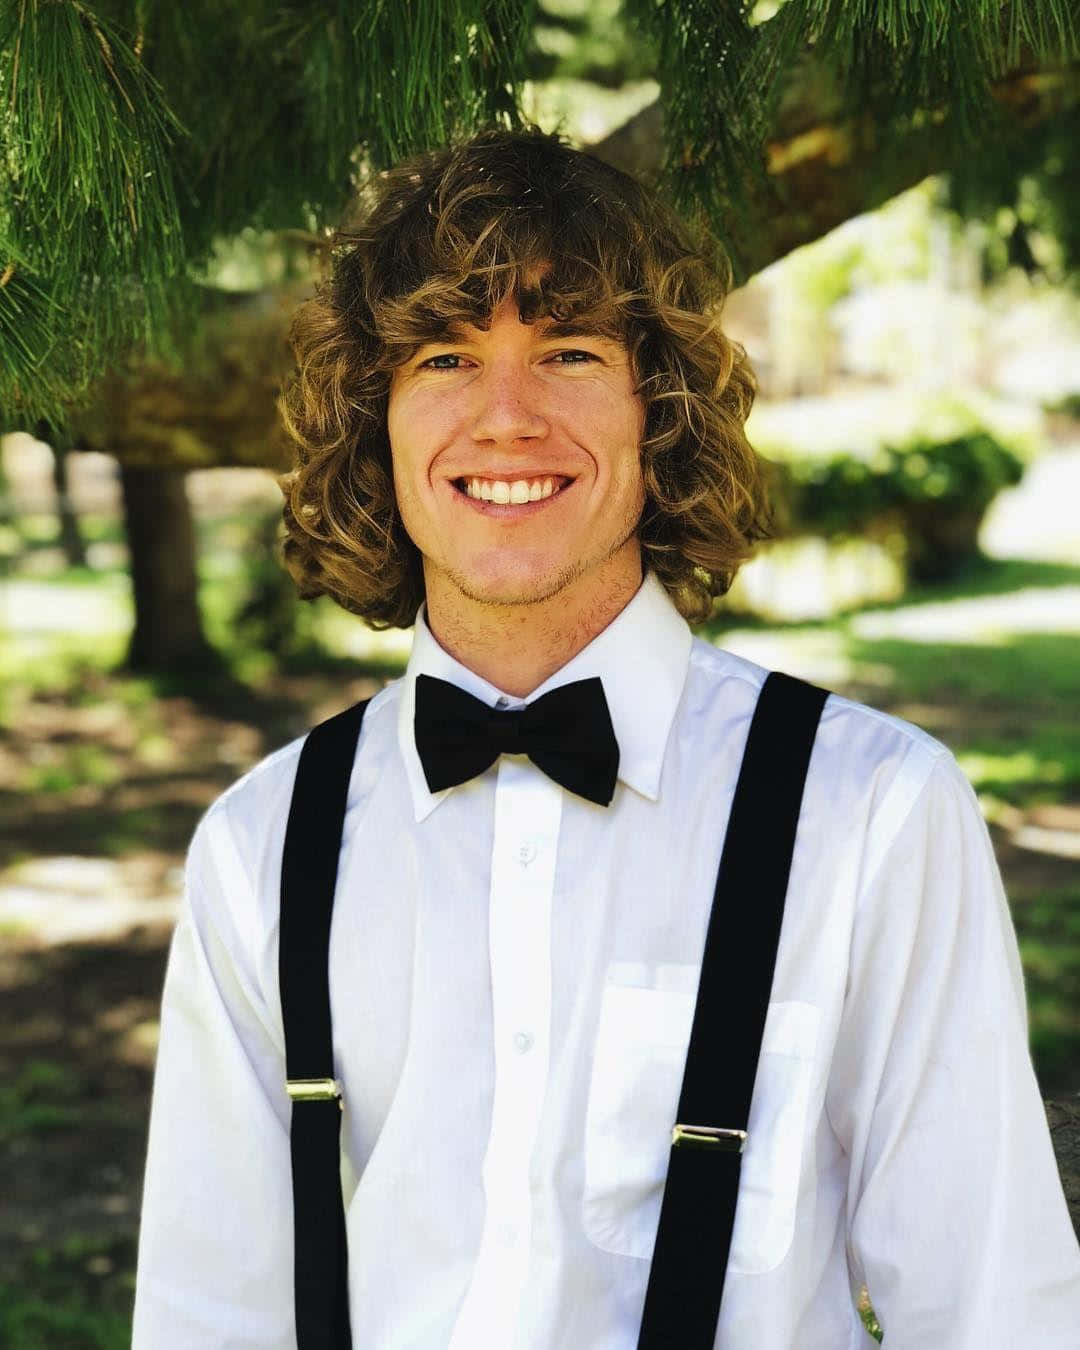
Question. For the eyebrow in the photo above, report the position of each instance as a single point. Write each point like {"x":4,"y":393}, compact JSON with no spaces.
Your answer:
{"x":576,"y":328}
{"x":545,"y":328}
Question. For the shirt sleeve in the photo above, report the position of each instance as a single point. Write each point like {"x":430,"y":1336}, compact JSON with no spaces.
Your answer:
{"x":215,"y":1243}
{"x":956,"y":1218}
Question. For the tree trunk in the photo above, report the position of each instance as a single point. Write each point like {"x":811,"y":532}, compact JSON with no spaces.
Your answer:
{"x":168,"y":632}
{"x":71,"y":540}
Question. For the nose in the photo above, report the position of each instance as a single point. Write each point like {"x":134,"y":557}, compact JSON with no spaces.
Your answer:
{"x":509,"y":405}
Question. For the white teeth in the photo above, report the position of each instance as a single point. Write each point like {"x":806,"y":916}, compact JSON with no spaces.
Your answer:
{"x":515,"y":493}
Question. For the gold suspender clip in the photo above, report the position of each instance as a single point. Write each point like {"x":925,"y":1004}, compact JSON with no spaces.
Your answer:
{"x":314,"y":1090}
{"x":708,"y":1136}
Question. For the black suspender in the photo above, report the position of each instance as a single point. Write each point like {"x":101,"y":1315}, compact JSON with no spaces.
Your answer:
{"x":682,"y":1302}
{"x":308,"y":875}
{"x":697,"y":1214}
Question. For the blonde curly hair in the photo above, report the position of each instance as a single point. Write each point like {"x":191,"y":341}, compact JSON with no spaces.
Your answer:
{"x":444,"y":238}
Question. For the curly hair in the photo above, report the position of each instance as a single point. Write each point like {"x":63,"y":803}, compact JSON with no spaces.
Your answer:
{"x":444,"y":237}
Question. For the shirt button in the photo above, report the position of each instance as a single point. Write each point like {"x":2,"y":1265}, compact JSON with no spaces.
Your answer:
{"x":522,"y":1042}
{"x":502,"y":702}
{"x":526,"y":853}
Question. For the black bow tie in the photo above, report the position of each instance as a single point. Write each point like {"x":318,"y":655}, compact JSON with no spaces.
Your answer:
{"x":567,"y":733}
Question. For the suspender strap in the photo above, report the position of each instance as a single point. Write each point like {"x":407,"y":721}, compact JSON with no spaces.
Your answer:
{"x":697,"y":1214}
{"x":308,"y":875}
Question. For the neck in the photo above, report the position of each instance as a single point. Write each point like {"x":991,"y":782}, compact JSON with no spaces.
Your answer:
{"x":517,"y":647}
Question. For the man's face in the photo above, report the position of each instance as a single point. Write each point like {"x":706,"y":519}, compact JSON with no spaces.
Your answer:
{"x":512,"y":413}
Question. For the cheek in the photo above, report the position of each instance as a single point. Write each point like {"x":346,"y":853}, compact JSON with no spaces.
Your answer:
{"x":406,"y":434}
{"x":406,"y":467}
{"x":629,"y":461}
{"x":415,"y":443}
{"x":401,"y":483}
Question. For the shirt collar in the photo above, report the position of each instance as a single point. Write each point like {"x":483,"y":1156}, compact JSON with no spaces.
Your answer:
{"x":642,"y":658}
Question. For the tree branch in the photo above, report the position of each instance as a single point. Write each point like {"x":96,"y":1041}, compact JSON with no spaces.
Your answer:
{"x":819,"y":166}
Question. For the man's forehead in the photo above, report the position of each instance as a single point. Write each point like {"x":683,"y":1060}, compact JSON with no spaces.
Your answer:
{"x":542,"y":326}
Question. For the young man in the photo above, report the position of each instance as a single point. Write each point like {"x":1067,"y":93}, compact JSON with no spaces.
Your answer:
{"x":519,"y":425}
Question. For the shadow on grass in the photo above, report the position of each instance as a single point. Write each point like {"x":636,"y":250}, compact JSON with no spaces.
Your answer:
{"x":162,"y":747}
{"x":78,"y":1296}
{"x":1048,"y":929}
{"x":98,"y":829}
{"x":221,"y":690}
{"x":989,"y":576}
{"x":75,"y":1064}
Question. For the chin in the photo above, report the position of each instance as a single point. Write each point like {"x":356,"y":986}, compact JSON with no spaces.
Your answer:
{"x":517,"y":592}
{"x":515,"y":586}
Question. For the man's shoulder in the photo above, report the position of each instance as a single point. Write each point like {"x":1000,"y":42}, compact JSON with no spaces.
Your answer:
{"x":848,"y":730}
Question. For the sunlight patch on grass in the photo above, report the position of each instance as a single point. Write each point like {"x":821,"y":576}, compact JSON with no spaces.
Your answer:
{"x":1020,"y":766}
{"x":36,"y":607}
{"x":59,"y":768}
{"x":810,"y":578}
{"x":990,"y":619}
{"x":73,"y":898}
{"x":50,"y":663}
{"x":818,"y":654}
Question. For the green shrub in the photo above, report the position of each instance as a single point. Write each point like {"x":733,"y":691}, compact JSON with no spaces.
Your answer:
{"x":933,"y":493}
{"x":270,"y":617}
{"x":1069,"y":404}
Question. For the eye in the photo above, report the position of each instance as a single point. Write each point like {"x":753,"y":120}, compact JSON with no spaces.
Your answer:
{"x":443,"y":356}
{"x":588,"y":355}
{"x":453,"y":356}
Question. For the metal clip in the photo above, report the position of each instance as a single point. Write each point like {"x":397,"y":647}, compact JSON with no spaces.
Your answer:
{"x":314,"y":1089}
{"x":708,"y":1136}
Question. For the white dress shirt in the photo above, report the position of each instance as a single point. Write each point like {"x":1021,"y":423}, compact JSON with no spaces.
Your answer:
{"x":513,"y":973}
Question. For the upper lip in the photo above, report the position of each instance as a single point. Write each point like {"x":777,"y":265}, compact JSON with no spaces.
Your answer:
{"x":513,"y":475}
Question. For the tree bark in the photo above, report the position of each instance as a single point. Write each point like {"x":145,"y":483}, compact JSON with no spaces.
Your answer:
{"x":71,"y":540}
{"x":168,"y":633}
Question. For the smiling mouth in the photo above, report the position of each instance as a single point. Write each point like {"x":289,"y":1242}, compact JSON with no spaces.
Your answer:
{"x":516,"y":492}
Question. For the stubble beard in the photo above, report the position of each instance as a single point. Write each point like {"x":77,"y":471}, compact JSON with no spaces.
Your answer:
{"x":543,"y":589}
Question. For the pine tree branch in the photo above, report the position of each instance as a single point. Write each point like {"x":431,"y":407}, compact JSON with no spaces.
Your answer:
{"x":822,"y":169}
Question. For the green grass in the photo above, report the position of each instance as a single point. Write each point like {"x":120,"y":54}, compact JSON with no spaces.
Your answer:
{"x":1037,"y":672}
{"x":75,"y":1296}
{"x":42,"y":1095}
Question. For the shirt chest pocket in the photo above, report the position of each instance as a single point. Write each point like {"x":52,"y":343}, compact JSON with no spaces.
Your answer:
{"x":637,"y":1071}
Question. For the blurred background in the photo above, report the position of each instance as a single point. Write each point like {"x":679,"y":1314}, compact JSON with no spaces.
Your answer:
{"x":906,"y":254}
